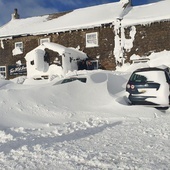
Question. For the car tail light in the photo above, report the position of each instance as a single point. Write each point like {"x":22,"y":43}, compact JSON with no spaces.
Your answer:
{"x":128,"y":86}
{"x":132,"y":86}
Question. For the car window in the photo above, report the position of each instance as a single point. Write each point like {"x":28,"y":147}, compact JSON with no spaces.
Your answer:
{"x":138,"y":78}
{"x":73,"y":79}
{"x":68,"y":80}
{"x":149,"y":76}
{"x":82,"y":80}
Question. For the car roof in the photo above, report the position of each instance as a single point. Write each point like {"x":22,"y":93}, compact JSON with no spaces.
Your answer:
{"x":149,"y":69}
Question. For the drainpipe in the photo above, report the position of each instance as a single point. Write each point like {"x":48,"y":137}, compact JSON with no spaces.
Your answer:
{"x":127,"y":7}
{"x":121,"y":29}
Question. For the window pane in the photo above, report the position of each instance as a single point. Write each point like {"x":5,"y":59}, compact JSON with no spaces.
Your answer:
{"x":19,"y":45}
{"x":44,"y":40}
{"x":92,"y":39}
{"x":2,"y":72}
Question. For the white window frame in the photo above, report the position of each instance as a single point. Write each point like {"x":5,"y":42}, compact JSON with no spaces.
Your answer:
{"x":20,"y":45}
{"x":95,"y":64}
{"x":3,"y":71}
{"x":42,"y":40}
{"x":92,"y":39}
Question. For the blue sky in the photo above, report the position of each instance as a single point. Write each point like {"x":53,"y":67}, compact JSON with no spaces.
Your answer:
{"x":28,"y":8}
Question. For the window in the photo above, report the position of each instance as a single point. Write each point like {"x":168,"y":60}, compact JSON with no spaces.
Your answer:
{"x":138,"y":78}
{"x":43,"y":40}
{"x":95,"y":64}
{"x":19,"y":45}
{"x":2,"y":72}
{"x":92,"y":39}
{"x":32,"y":62}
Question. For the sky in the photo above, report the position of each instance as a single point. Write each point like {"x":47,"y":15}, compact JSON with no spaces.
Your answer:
{"x":30,"y":8}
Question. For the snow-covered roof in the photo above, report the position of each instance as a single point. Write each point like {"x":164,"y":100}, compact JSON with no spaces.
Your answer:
{"x":77,"y":19}
{"x":88,"y":18}
{"x":60,"y":49}
{"x":145,"y":14}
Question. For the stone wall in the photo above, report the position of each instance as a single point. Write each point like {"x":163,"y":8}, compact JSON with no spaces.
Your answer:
{"x":103,"y":53}
{"x":153,"y":37}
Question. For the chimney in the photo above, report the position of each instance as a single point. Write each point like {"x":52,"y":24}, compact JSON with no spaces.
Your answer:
{"x":130,"y":2}
{"x":15,"y":15}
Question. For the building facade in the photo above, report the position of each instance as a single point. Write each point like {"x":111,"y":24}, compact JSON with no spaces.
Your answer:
{"x":98,"y":46}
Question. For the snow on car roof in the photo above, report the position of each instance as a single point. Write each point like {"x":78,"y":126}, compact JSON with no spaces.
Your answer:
{"x":149,"y":69}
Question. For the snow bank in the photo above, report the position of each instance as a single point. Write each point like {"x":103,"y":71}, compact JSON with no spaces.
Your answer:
{"x":32,"y":106}
{"x":35,"y":63}
{"x":154,"y":60}
{"x":161,"y":58}
{"x":80,"y":126}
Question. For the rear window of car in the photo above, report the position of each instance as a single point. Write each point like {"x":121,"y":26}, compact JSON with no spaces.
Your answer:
{"x":138,"y":78}
{"x":148,"y":76}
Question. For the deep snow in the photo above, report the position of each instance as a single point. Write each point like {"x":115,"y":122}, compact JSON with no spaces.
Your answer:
{"x":80,"y":125}
{"x":83,"y":126}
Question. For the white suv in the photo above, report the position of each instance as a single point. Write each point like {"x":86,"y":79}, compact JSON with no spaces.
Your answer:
{"x":149,"y":86}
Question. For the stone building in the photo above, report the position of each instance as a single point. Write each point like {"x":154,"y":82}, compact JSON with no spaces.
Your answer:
{"x":109,"y":34}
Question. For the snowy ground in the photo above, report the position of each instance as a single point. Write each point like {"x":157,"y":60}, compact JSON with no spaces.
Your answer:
{"x":80,"y":126}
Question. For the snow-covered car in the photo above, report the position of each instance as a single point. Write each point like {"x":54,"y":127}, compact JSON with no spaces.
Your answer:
{"x":82,"y":79}
{"x":149,"y":86}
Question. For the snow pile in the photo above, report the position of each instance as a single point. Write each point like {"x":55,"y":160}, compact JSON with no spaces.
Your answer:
{"x":37,"y":65}
{"x":35,"y":62}
{"x":16,"y":51}
{"x":161,"y":58}
{"x":80,"y":126}
{"x":153,"y":60}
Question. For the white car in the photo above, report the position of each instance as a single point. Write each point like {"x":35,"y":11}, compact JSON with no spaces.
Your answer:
{"x":149,"y":86}
{"x":80,"y":78}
